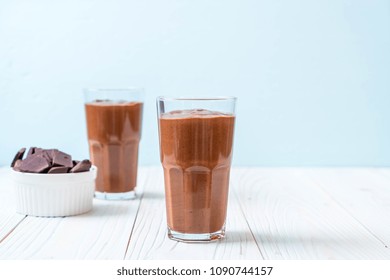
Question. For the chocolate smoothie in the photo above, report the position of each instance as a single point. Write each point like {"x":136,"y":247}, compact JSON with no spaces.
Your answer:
{"x":114,"y":132}
{"x":196,"y":152}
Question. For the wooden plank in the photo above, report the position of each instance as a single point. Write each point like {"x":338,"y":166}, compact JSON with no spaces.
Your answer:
{"x":150,"y":241}
{"x":101,"y":234}
{"x":273,"y":213}
{"x":363,"y":192}
{"x":292,"y":218}
{"x":382,"y":171}
{"x":9,"y":219}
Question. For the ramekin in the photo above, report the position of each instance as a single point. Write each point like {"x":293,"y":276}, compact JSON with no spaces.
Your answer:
{"x":54,"y":195}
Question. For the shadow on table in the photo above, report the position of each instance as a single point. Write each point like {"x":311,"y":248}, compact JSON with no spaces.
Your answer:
{"x":153,"y":195}
{"x":106,"y":208}
{"x":237,"y":237}
{"x":316,"y":246}
{"x":269,"y":239}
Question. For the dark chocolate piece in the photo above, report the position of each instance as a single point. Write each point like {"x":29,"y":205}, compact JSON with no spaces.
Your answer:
{"x":38,"y":150}
{"x":31,"y":151}
{"x":62,"y":159}
{"x":17,"y":165}
{"x":34,"y":164}
{"x":58,"y":169}
{"x":19,"y":155}
{"x":49,"y":161}
{"x":51,"y":152}
{"x":47,"y":156}
{"x":82,"y":166}
{"x":44,"y":153}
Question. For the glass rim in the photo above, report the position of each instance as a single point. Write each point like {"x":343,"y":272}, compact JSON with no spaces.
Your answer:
{"x":122,"y":89}
{"x":214,"y":98}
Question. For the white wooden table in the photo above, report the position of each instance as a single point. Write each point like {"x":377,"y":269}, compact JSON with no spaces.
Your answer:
{"x":274,"y":213}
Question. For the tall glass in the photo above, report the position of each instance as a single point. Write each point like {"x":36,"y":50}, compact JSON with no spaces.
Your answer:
{"x":196,"y":141}
{"x":114,"y":122}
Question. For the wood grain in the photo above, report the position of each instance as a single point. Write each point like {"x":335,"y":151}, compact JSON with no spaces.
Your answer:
{"x":274,"y":213}
{"x":9,"y":220}
{"x":150,"y":241}
{"x":363,"y":192}
{"x":102,"y":233}
{"x":292,"y":218}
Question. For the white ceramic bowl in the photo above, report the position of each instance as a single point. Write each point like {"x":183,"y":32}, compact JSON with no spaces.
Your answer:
{"x":54,"y":195}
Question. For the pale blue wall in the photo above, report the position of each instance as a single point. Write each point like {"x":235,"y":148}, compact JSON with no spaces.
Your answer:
{"x":312,"y":77}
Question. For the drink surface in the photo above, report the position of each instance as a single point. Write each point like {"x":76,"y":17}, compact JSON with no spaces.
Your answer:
{"x":196,"y":152}
{"x":114,"y":132}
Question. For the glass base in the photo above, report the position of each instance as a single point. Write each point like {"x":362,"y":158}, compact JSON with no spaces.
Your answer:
{"x":196,"y":237}
{"x":116,"y":196}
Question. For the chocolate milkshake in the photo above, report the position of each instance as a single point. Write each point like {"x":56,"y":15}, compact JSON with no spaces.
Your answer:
{"x":114,"y":132}
{"x":196,"y":153}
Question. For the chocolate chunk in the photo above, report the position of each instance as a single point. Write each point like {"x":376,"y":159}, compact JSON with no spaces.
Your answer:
{"x":58,"y":169}
{"x":62,"y":159}
{"x":82,"y":166}
{"x":31,"y":151}
{"x":34,"y":164}
{"x":51,"y":152}
{"x":47,"y":156}
{"x":43,"y":153}
{"x":49,"y":161}
{"x":38,"y":150}
{"x":17,"y":165}
{"x":19,"y":155}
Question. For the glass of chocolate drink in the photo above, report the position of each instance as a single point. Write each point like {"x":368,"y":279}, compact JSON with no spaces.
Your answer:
{"x":196,"y":141}
{"x":114,"y":122}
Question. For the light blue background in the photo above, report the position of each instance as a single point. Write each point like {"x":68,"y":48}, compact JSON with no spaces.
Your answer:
{"x":312,"y":77}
